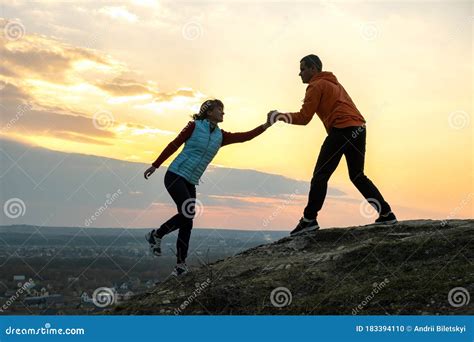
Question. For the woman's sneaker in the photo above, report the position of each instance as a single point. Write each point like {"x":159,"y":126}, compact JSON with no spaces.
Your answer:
{"x":179,"y":270}
{"x":305,"y":225}
{"x":388,"y":218}
{"x":154,"y":242}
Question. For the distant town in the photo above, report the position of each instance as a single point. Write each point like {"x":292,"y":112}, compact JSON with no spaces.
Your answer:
{"x":56,"y":270}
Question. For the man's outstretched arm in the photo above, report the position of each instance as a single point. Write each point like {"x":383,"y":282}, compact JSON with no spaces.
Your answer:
{"x":308,"y":109}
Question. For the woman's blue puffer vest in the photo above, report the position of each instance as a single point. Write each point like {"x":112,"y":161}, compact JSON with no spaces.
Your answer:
{"x":198,"y":152}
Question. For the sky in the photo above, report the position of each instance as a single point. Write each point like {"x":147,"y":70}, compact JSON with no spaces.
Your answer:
{"x":121,"y":79}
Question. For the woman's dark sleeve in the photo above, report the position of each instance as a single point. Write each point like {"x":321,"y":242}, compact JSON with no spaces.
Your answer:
{"x":238,"y":137}
{"x":175,"y":144}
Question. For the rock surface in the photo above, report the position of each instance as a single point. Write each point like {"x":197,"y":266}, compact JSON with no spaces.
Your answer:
{"x":413,"y":267}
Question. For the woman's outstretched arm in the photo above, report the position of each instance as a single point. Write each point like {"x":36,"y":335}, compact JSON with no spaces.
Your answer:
{"x":238,"y":137}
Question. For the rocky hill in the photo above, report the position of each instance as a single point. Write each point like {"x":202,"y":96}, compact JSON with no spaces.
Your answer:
{"x":413,"y":267}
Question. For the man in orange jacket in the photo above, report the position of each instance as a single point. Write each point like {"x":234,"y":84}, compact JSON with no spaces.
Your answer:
{"x":346,"y":130}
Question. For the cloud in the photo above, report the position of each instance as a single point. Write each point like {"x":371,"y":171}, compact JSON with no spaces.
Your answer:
{"x":21,"y":115}
{"x":52,"y":89}
{"x":6,"y":72}
{"x":46,"y":64}
{"x":119,"y":13}
{"x":12,"y":95}
{"x":45,"y":57}
{"x":120,"y":87}
{"x":80,"y":138}
{"x":145,"y":3}
{"x":125,"y":87}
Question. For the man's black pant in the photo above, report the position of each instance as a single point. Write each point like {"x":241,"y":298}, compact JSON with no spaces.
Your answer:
{"x":349,"y":141}
{"x":183,"y":194}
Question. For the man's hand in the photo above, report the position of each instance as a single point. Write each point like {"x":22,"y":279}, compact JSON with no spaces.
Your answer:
{"x":149,"y":171}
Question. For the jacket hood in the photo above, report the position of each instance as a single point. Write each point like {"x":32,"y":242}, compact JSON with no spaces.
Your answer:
{"x":325,"y":75}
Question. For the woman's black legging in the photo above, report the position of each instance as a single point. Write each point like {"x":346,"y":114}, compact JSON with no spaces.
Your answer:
{"x":183,"y":194}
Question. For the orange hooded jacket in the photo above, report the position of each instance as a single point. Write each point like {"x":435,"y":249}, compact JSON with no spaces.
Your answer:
{"x":328,"y":98}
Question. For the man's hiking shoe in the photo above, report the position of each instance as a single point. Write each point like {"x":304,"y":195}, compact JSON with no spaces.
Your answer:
{"x":179,"y":270}
{"x":154,"y":242}
{"x":304,"y":226}
{"x":388,"y":218}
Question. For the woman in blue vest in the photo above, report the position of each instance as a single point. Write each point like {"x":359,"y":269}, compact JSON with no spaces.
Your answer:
{"x":202,"y":139}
